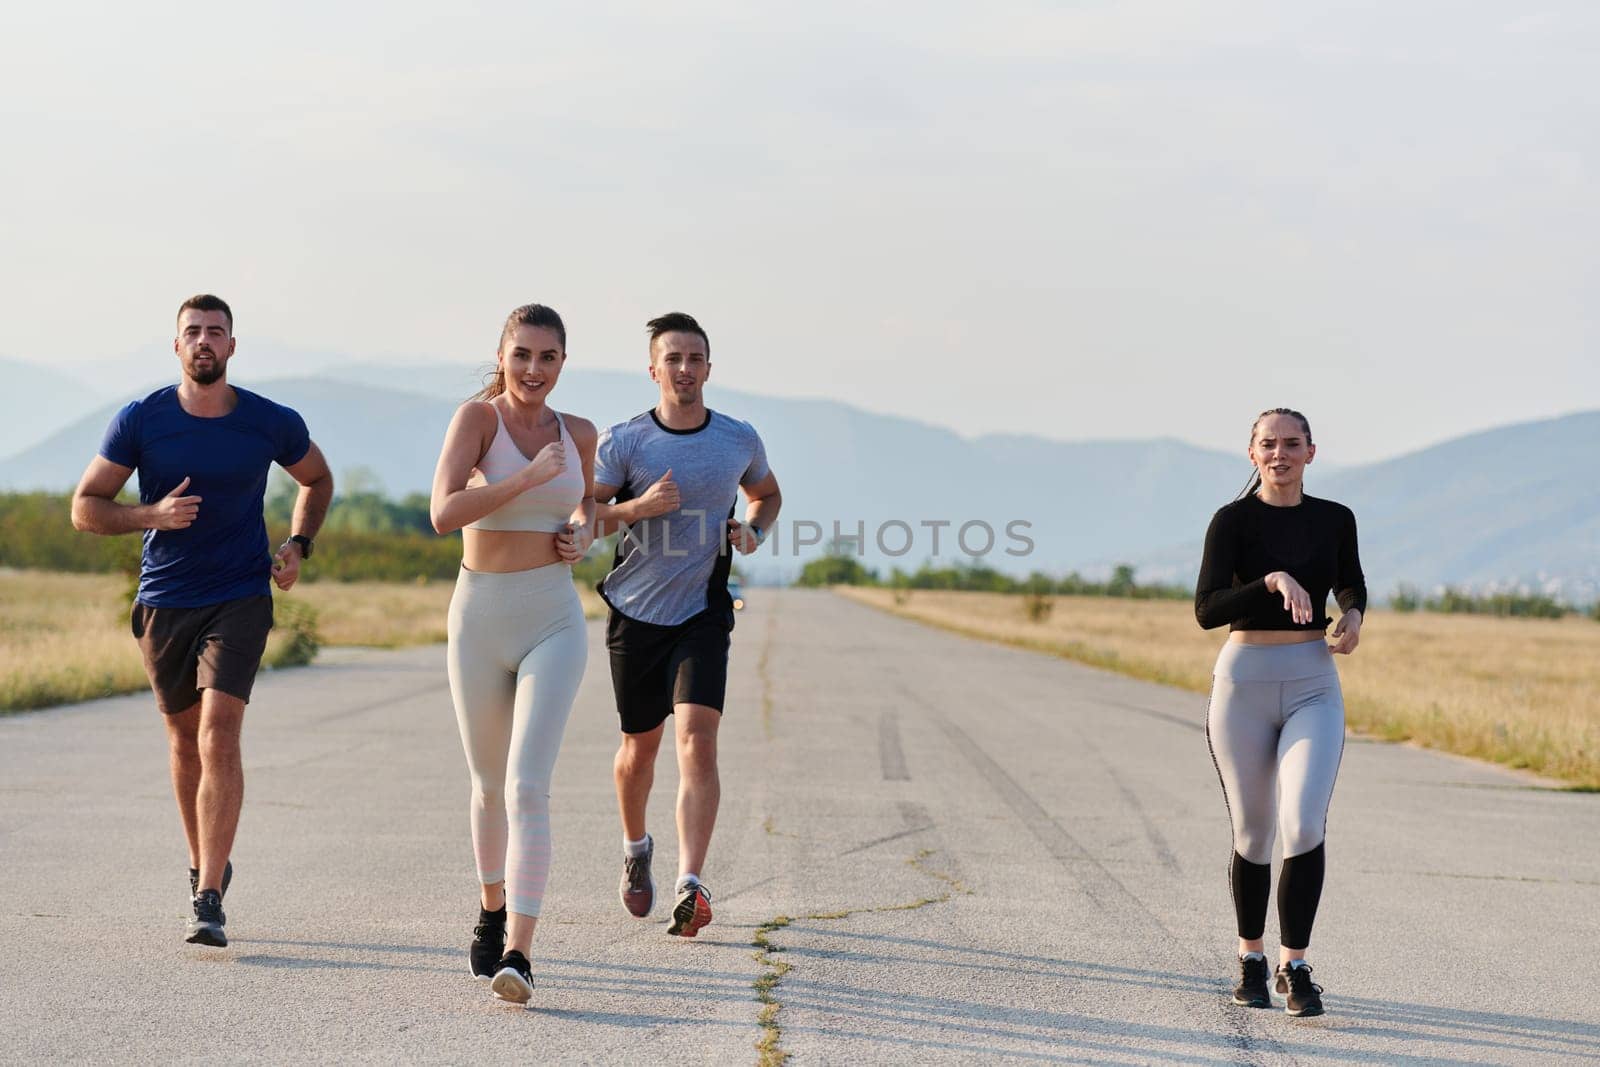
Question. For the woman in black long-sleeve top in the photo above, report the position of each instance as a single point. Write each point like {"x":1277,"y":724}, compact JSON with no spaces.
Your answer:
{"x":1276,"y":721}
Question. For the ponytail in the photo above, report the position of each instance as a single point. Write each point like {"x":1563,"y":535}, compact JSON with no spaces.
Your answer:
{"x":494,"y":383}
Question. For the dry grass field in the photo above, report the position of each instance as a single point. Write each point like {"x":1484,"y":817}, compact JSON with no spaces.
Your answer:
{"x":65,"y":637}
{"x":1522,"y":692}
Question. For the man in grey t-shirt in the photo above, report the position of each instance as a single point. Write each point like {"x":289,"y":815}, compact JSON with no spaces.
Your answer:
{"x":675,"y":473}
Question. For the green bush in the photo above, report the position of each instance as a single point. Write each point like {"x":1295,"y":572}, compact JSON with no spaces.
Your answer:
{"x":836,"y":570}
{"x":1405,"y":598}
{"x":1506,"y":605}
{"x":1037,"y":607}
{"x":36,"y":534}
{"x":297,"y":621}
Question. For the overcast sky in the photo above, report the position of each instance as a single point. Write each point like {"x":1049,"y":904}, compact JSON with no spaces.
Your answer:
{"x":1072,"y":219}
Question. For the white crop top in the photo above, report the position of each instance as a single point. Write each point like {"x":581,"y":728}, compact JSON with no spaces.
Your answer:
{"x":544,"y":508}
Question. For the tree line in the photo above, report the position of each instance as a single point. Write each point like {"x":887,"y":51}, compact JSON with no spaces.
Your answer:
{"x":367,"y":537}
{"x":840,"y":566}
{"x":1453,"y":601}
{"x":370,"y":537}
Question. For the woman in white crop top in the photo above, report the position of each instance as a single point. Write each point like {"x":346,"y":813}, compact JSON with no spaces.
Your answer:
{"x":517,"y":479}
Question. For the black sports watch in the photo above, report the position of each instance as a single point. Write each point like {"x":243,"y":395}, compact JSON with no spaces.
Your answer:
{"x":305,"y":544}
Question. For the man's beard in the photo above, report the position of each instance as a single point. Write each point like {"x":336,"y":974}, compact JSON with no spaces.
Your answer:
{"x":205,"y":377}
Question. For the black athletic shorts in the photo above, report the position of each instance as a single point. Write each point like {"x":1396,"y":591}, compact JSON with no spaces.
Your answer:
{"x":655,"y":667}
{"x":216,"y":647}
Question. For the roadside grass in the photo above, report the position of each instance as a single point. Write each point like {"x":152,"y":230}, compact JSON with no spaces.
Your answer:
{"x":66,"y":637}
{"x":1520,"y":692}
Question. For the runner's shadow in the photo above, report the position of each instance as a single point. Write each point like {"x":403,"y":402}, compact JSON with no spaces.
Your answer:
{"x":975,"y":1052}
{"x":915,"y":1022}
{"x":1453,"y":1032}
{"x":636,"y":1020}
{"x":356,"y":946}
{"x":1042,"y":966}
{"x":669,"y":975}
{"x":915,"y":1018}
{"x":376,"y":956}
{"x":1578,"y":1038}
{"x":959,"y":1027}
{"x":302,"y":963}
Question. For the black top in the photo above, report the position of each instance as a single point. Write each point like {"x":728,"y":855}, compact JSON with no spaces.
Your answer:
{"x":1314,"y":541}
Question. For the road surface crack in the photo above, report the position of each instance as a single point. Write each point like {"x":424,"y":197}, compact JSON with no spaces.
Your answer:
{"x":770,"y":1046}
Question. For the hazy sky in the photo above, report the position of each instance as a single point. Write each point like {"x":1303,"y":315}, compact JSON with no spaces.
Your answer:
{"x":1072,"y":219}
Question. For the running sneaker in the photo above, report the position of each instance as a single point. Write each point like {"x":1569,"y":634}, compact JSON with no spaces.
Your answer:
{"x":514,"y":980}
{"x":638,"y":888}
{"x":1305,"y":996}
{"x":692,"y":911}
{"x":194,"y":879}
{"x":1252,"y":988}
{"x":488,"y":943}
{"x":206,"y":926}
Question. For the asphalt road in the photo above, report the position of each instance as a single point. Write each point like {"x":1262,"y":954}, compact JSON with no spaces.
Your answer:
{"x":982,"y":854}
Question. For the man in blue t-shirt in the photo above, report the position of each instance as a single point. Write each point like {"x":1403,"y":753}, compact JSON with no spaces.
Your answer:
{"x":675,"y":472}
{"x":203,"y":450}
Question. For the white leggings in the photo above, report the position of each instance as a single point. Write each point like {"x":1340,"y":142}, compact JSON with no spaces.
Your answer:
{"x":518,"y":645}
{"x":1276,"y":727}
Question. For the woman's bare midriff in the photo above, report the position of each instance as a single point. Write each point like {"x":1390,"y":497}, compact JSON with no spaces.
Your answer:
{"x":1275,"y":637}
{"x":504,"y":551}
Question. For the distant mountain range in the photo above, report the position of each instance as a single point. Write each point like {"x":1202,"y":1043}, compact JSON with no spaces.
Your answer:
{"x":36,"y":400}
{"x":1514,"y":505}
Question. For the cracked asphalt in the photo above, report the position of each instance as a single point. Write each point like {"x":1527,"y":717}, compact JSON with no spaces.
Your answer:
{"x":983,"y":854}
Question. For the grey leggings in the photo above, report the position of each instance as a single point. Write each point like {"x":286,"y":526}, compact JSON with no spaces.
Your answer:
{"x":1276,"y":728}
{"x":518,"y":646}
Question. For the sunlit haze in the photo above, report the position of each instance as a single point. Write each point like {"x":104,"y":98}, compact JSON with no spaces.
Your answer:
{"x":1078,"y":220}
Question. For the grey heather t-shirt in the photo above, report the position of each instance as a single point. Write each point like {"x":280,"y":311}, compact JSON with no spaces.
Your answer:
{"x":672,"y":567}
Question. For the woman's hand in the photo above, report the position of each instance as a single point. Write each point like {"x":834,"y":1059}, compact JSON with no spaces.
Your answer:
{"x":572,"y":542}
{"x":550,"y":462}
{"x":1296,"y":601}
{"x":1347,"y":633}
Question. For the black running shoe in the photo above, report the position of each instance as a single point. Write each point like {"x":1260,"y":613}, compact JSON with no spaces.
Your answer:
{"x":692,"y":911}
{"x":488,"y":943}
{"x":194,"y":879}
{"x":638,"y":888}
{"x":514,"y":979}
{"x":1252,"y":988}
{"x":1305,"y":996}
{"x":206,"y":926}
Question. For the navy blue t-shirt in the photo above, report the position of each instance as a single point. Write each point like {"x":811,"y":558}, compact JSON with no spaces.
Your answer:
{"x":223,"y":554}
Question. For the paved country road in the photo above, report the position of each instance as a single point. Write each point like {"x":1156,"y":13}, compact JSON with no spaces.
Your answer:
{"x":983,"y":854}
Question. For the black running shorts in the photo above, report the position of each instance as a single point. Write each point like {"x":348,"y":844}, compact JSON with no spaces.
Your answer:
{"x":218,"y":646}
{"x":654,"y":668}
